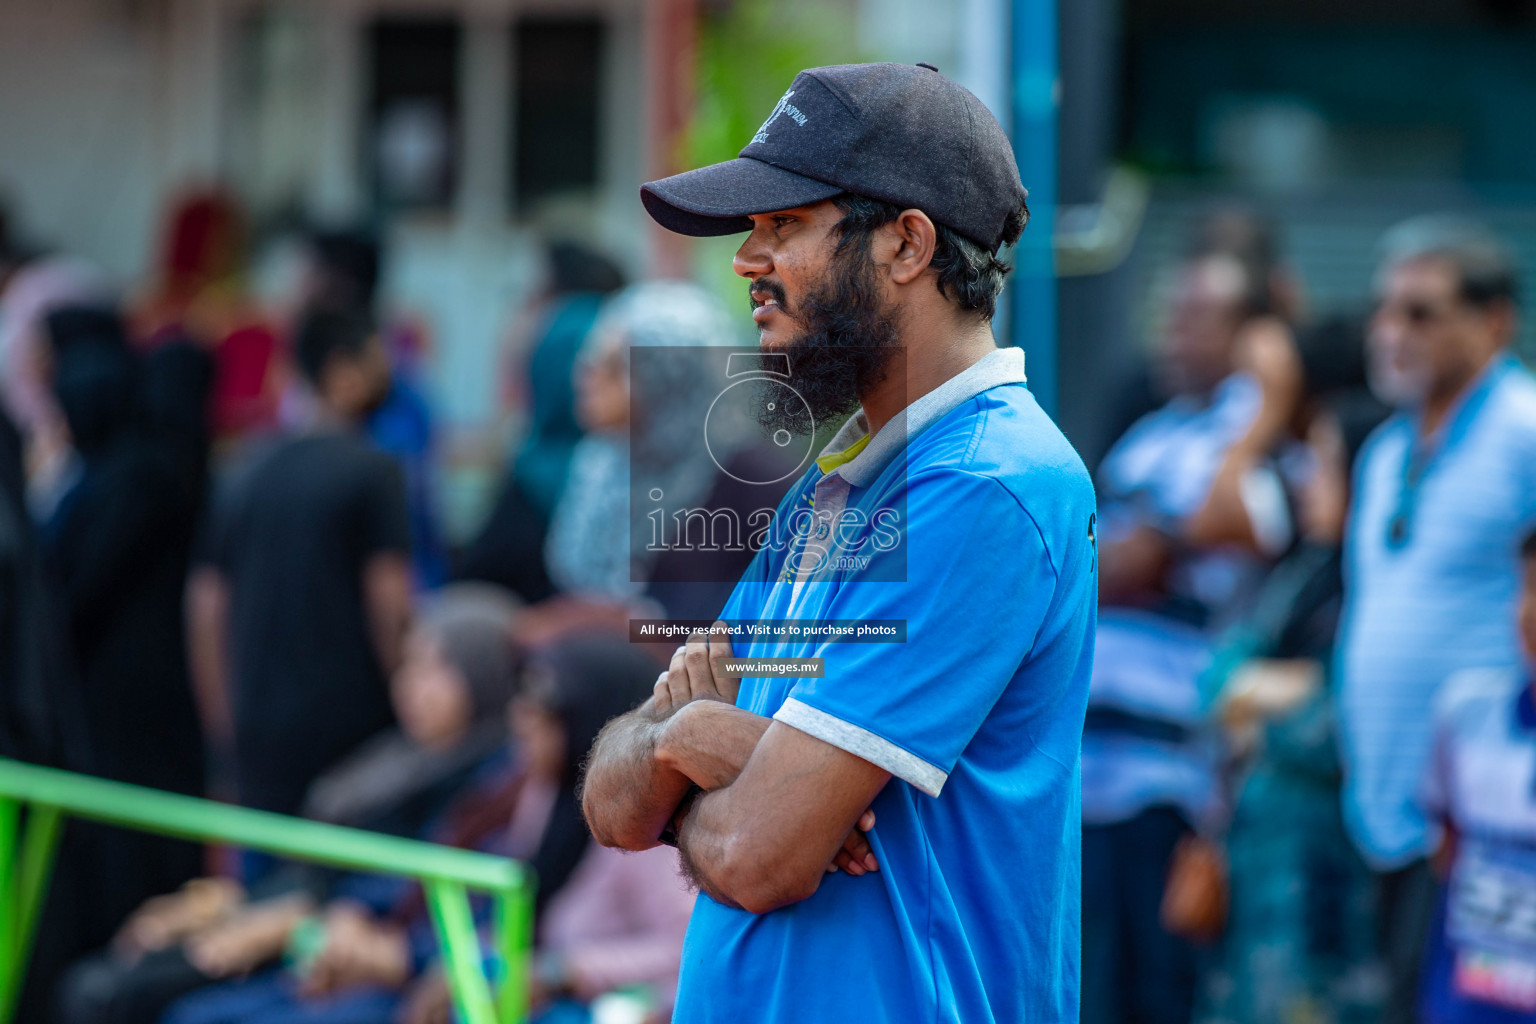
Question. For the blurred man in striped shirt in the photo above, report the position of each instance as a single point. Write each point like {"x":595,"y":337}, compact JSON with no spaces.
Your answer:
{"x":1446,"y":489}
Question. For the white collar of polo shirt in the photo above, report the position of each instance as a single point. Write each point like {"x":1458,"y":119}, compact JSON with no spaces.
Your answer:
{"x":1001,"y":366}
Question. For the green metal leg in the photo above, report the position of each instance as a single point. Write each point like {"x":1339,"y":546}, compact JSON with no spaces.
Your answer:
{"x":25,"y":872}
{"x":514,"y":940}
{"x":9,"y":967}
{"x":38,"y":845}
{"x":461,"y":951}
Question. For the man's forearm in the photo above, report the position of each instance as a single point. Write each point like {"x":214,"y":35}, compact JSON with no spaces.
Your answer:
{"x":643,"y":763}
{"x":703,"y":844}
{"x":709,"y":741}
{"x":627,"y":795}
{"x":723,"y":852}
{"x":387,"y":594}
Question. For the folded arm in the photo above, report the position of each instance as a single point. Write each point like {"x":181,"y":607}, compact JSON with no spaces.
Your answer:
{"x":768,"y":838}
{"x":631,"y":789}
{"x":629,"y":794}
{"x":689,"y":733}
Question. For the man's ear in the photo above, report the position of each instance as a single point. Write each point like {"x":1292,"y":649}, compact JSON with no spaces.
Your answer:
{"x":338,"y":380}
{"x":912,"y":235}
{"x":1504,"y":322}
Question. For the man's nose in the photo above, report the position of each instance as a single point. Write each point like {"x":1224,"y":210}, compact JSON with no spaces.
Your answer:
{"x":1384,"y":333}
{"x":752,"y":258}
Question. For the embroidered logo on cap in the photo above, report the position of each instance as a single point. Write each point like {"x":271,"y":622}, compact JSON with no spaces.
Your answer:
{"x":781,"y":107}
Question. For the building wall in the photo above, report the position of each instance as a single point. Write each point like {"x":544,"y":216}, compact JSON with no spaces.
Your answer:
{"x":100,"y":104}
{"x":107,"y":107}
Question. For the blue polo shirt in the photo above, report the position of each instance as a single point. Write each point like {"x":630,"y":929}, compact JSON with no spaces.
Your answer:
{"x":1431,"y":584}
{"x":974,"y":914}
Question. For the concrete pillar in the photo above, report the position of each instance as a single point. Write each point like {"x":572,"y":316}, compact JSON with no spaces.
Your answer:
{"x":337,"y":190}
{"x":671,"y":30}
{"x":485,"y":119}
{"x":194,"y":58}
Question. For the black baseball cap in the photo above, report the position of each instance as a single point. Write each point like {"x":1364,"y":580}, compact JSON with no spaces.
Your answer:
{"x":900,"y":133}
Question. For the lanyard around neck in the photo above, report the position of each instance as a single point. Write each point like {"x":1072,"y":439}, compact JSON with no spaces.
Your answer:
{"x":1423,"y":451}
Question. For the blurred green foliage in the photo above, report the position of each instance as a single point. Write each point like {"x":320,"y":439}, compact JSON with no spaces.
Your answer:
{"x":748,"y":53}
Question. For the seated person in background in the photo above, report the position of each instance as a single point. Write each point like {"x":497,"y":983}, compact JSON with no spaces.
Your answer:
{"x":450,"y":696}
{"x":1298,"y":930}
{"x":604,"y":920}
{"x":1481,"y":962}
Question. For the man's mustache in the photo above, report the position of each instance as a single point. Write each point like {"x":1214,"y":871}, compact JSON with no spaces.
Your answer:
{"x":763,"y":292}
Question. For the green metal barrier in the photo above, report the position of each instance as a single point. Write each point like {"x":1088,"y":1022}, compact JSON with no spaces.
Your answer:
{"x":446,"y":874}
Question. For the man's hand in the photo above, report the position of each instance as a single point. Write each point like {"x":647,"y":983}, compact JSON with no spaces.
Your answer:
{"x":855,"y":856}
{"x":248,"y":939}
{"x":643,"y":763}
{"x":358,"y":951}
{"x":165,"y":920}
{"x":695,"y":672}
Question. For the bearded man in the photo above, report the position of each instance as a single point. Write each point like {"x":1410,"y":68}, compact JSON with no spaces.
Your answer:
{"x":896,"y":839}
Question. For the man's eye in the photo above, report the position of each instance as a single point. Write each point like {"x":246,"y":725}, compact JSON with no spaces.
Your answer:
{"x":779,"y":222}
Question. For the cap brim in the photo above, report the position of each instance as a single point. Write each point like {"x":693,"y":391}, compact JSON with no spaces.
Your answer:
{"x":716,"y":200}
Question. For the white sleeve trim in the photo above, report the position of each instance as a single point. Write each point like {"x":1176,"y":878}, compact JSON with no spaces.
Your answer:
{"x":877,"y":750}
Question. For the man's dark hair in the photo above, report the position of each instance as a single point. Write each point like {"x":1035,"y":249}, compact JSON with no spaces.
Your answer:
{"x":350,"y":259}
{"x":969,"y":275}
{"x":327,"y":332}
{"x":1332,"y":351}
{"x":845,"y":347}
{"x":1484,"y":268}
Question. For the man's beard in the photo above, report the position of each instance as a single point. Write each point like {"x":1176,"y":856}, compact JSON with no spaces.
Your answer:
{"x":1394,"y":385}
{"x":845,"y":347}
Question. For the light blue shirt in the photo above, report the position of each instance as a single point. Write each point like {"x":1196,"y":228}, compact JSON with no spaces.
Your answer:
{"x":973,"y":916}
{"x":1441,"y":601}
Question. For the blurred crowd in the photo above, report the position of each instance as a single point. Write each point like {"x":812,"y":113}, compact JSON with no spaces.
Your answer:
{"x":222,"y":573}
{"x":1310,"y":744}
{"x":1311,"y":740}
